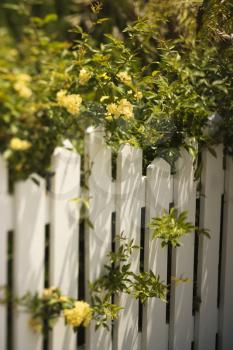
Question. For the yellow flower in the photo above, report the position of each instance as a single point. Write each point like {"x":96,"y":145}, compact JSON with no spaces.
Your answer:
{"x":48,"y":292}
{"x":21,"y":85}
{"x":71,"y":102}
{"x":63,"y":298}
{"x":84,"y":76}
{"x":22,"y":89}
{"x":112,"y":108}
{"x":80,"y":314}
{"x":125,"y":108}
{"x":23,"y":77}
{"x":17,"y":144}
{"x":138,"y":95}
{"x":125,"y":78}
{"x":35,"y":324}
{"x":60,"y":95}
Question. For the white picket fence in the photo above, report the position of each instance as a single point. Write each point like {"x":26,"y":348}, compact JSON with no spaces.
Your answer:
{"x":176,"y":327}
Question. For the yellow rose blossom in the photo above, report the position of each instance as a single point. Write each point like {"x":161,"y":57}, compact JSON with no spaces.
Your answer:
{"x":125,"y":108}
{"x":71,"y":102}
{"x":23,"y":77}
{"x":84,"y":76}
{"x":60,"y":95}
{"x":80,"y":314}
{"x":48,"y":292}
{"x":17,"y":144}
{"x":21,"y":85}
{"x":35,"y":324}
{"x":112,"y":108}
{"x":125,"y":78}
{"x":63,"y":298}
{"x":22,"y":89}
{"x":138,"y":95}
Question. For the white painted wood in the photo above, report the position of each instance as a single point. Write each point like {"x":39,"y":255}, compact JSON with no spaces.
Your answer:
{"x":99,"y":238}
{"x":226,"y":305}
{"x":181,"y":318}
{"x":64,"y":236}
{"x":28,"y":255}
{"x":5,"y":225}
{"x":208,"y":259}
{"x":159,"y":191}
{"x":3,"y":176}
{"x":128,"y":220}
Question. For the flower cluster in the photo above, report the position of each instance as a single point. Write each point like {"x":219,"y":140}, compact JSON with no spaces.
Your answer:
{"x":21,"y":85}
{"x":35,"y":324}
{"x":84,"y":76}
{"x":71,"y":102}
{"x":125,"y":78}
{"x":51,"y":305}
{"x":81,"y":314}
{"x":17,"y":144}
{"x":124,"y":108}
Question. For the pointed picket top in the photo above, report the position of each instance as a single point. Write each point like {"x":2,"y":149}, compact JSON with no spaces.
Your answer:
{"x":29,"y":222}
{"x":64,"y":235}
{"x":159,"y":174}
{"x":129,"y":201}
{"x":98,"y":165}
{"x":159,"y":191}
{"x":181,"y":318}
{"x":29,"y":245}
{"x":99,"y":237}
{"x":64,"y":159}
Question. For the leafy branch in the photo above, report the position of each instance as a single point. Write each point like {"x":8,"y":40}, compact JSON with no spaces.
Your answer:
{"x":172,"y":226}
{"x":119,"y":278}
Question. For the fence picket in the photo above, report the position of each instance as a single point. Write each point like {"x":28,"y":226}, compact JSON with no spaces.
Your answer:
{"x":98,"y":239}
{"x":226,"y":305}
{"x":64,"y":236}
{"x":159,"y":193}
{"x":28,"y":255}
{"x":6,"y":225}
{"x":129,"y":201}
{"x":181,"y":320}
{"x":30,"y":209}
{"x":208,"y":259}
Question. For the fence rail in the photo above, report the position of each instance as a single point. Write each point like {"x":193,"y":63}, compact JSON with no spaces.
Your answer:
{"x":200,"y":312}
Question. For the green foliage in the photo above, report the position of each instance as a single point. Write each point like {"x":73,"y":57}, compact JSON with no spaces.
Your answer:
{"x":170,"y":227}
{"x":148,"y":285}
{"x":44,"y":310}
{"x":144,"y":86}
{"x":119,"y":278}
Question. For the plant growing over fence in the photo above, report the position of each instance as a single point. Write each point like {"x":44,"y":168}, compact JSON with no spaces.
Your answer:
{"x":45,"y":309}
{"x":142,"y":88}
{"x":118,"y":278}
{"x":171,"y":226}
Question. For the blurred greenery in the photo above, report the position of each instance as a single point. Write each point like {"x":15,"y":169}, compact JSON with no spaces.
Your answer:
{"x":150,"y":72}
